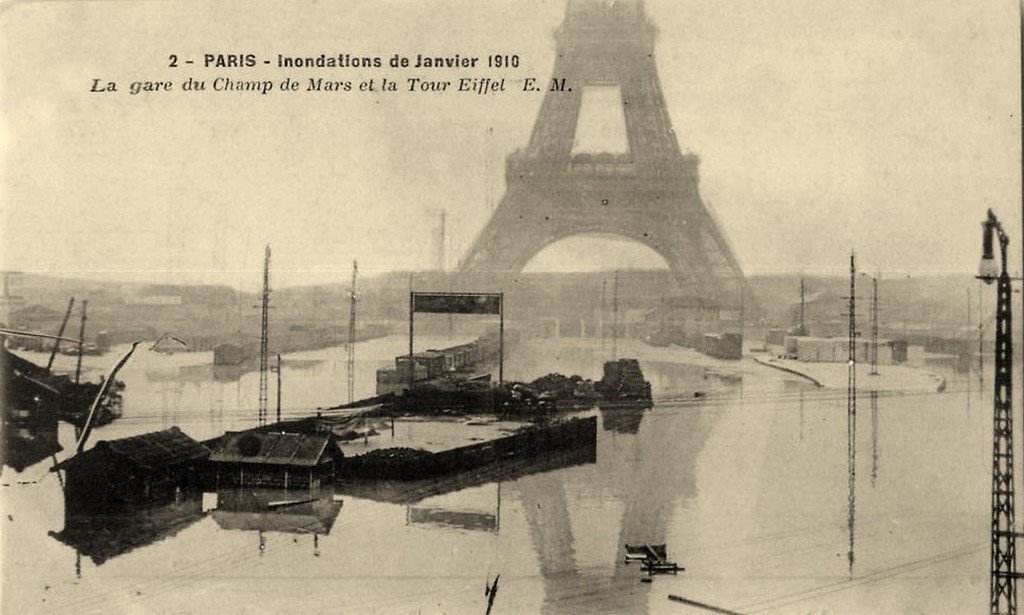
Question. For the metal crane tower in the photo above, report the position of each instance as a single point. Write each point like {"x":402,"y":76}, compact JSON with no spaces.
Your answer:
{"x":1003,"y":570}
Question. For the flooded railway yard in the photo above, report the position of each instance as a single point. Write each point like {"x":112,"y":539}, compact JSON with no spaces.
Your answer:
{"x":740,"y":469}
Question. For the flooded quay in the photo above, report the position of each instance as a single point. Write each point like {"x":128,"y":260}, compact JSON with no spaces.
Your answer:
{"x":747,"y":485}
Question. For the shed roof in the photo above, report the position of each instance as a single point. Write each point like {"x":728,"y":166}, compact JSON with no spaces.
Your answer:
{"x":154,"y":451}
{"x":292,"y":449}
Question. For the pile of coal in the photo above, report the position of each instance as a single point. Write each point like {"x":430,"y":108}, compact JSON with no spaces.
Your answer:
{"x":386,"y":463}
{"x":560,"y":387}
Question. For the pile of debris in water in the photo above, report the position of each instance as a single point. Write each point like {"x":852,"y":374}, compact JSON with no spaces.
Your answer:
{"x":622,"y":382}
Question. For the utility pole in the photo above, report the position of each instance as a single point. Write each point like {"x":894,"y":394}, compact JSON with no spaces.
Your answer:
{"x":874,"y":436}
{"x":60,"y":334}
{"x":81,"y":341}
{"x":851,"y":409}
{"x":604,"y":310}
{"x":278,"y":388}
{"x":615,"y":318}
{"x":874,"y":327}
{"x":351,"y":343}
{"x":264,"y":333}
{"x":1003,"y":570}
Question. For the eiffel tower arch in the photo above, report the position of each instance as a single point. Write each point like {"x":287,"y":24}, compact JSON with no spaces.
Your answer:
{"x":648,"y":194}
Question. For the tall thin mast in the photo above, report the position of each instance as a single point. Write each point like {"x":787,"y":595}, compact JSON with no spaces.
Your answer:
{"x":351,"y":343}
{"x":279,"y":388}
{"x":803,"y":322}
{"x":615,"y":318}
{"x":874,"y":327}
{"x":264,"y":332}
{"x":851,"y":410}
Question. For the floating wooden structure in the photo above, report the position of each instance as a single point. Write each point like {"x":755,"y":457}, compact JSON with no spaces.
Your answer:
{"x":653,"y":559}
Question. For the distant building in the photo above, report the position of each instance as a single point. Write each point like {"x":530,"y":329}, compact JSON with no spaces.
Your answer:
{"x":153,"y":300}
{"x":229,"y":354}
{"x":281,"y":460}
{"x":837,"y":350}
{"x":139,"y":470}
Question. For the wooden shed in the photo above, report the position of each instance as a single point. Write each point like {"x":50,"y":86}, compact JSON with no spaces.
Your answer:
{"x":140,"y":470}
{"x":274,"y":459}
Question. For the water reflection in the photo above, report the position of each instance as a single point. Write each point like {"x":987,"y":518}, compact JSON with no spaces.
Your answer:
{"x":448,"y":516}
{"x":29,"y":435}
{"x":622,"y":418}
{"x":874,"y":437}
{"x":632,"y":469}
{"x":414,"y":492}
{"x":277,"y":510}
{"x":102,"y":536}
{"x":851,"y":449}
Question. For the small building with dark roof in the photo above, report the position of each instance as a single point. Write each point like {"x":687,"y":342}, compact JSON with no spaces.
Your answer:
{"x":140,"y":470}
{"x":273,"y":459}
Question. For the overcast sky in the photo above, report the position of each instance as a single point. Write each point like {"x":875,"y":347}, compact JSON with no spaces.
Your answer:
{"x":882,"y":125}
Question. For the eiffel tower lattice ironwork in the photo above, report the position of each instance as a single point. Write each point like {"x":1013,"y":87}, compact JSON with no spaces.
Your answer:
{"x":648,"y":194}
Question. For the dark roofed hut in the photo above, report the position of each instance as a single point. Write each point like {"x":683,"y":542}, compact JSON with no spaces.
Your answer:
{"x":140,"y":470}
{"x":268,"y":459}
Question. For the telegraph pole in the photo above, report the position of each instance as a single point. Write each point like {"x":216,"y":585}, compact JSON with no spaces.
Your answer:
{"x":351,"y":343}
{"x":279,"y":388}
{"x":615,"y":318}
{"x":874,"y":327}
{"x":264,"y":333}
{"x":851,"y":408}
{"x":1003,"y":570}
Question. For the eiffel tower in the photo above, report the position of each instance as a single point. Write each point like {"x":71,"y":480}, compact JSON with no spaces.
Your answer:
{"x":648,"y":194}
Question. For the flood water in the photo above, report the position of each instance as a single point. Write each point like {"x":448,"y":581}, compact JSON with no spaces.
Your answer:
{"x":748,"y":486}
